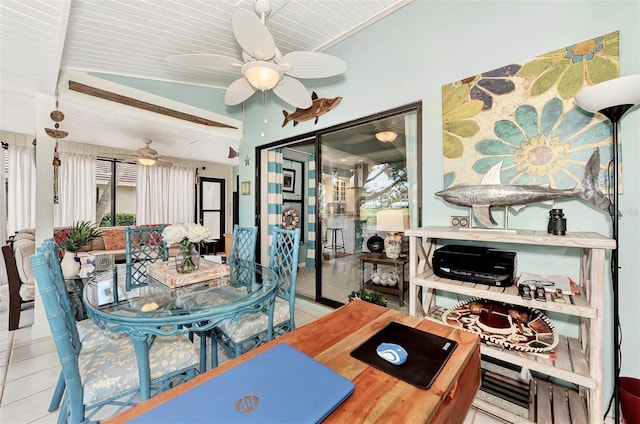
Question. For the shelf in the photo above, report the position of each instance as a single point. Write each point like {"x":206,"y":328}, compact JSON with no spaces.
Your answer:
{"x":587,"y":240}
{"x":382,"y":289}
{"x":570,"y":364}
{"x":573,"y":305}
{"x":577,"y":361}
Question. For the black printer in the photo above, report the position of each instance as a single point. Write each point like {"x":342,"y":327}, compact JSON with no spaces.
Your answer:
{"x":475,"y":264}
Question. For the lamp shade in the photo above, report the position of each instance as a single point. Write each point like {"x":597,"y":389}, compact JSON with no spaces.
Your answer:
{"x":614,"y":92}
{"x":386,"y":136}
{"x":393,"y":220}
{"x":262,"y":75}
{"x":146,"y":161}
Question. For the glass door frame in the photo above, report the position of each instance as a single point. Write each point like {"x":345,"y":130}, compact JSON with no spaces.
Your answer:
{"x":316,"y":136}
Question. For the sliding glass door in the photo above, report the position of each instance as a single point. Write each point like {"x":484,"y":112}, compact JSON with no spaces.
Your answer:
{"x":364,"y":169}
{"x":336,"y":181}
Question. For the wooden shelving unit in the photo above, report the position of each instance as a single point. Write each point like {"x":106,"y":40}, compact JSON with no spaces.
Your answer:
{"x":578,"y":360}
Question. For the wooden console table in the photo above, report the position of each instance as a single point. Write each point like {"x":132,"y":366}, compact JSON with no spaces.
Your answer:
{"x":378,"y":397}
{"x":381,"y":259}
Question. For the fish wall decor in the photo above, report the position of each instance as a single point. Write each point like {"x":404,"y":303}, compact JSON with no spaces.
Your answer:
{"x":319,"y":106}
{"x":491,"y":192}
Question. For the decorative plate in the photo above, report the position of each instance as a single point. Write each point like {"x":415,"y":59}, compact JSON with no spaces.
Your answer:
{"x":504,"y":325}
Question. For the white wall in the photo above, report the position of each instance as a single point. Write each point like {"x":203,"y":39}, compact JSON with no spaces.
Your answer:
{"x":408,"y":56}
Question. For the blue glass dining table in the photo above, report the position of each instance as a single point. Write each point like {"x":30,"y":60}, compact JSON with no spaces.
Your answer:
{"x":156,"y":310}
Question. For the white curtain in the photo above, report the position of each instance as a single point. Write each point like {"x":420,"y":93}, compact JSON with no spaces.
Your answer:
{"x":3,"y":220}
{"x":165,"y":195}
{"x":21,"y":191}
{"x":76,"y":190}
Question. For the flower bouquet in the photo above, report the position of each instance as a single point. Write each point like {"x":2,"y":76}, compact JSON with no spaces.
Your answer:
{"x":187,"y":236}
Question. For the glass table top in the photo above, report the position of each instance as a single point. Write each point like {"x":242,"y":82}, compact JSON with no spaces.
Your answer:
{"x":106,"y":294}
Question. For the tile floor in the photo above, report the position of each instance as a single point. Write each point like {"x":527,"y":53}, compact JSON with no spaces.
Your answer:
{"x":29,"y":368}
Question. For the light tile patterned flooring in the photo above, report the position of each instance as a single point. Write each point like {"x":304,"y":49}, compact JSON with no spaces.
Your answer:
{"x":29,"y":368}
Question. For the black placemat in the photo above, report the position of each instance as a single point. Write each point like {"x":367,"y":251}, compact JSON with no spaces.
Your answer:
{"x":426,"y":353}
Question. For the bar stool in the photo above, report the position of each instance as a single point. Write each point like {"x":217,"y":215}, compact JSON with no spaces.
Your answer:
{"x":332,"y":239}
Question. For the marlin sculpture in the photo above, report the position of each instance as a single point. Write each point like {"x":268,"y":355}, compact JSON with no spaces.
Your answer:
{"x":491,"y":192}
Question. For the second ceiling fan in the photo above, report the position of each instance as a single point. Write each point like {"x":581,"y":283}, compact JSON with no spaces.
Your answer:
{"x":263,"y":66}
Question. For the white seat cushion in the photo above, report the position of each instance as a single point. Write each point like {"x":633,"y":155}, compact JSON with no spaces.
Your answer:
{"x":112,"y":368}
{"x":92,"y":336}
{"x":22,"y":251}
{"x":251,"y":324}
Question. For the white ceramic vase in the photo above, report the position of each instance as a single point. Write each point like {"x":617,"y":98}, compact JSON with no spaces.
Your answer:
{"x":70,"y":266}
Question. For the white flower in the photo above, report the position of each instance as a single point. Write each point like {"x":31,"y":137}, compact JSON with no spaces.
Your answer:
{"x":196,"y":233}
{"x":174,"y":233}
{"x":185,"y":233}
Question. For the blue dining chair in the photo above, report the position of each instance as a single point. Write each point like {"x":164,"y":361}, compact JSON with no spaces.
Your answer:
{"x":239,"y":336}
{"x":89,"y":334}
{"x":243,"y":250}
{"x":241,"y":259}
{"x":106,"y":374}
{"x":143,"y":244}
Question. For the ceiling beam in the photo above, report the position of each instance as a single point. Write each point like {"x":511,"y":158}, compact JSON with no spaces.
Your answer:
{"x":129,"y":101}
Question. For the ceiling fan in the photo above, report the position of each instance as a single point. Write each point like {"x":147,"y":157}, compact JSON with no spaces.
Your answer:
{"x":149,"y":157}
{"x":263,"y":66}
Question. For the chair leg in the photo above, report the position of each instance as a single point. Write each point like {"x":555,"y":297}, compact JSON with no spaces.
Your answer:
{"x":214,"y":352}
{"x":203,"y":351}
{"x":15,"y":307}
{"x":57,"y":394}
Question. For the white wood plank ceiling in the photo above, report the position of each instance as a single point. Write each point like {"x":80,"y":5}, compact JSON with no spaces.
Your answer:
{"x":40,"y":41}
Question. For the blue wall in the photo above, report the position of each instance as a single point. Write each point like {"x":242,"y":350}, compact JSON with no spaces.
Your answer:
{"x":409,"y":55}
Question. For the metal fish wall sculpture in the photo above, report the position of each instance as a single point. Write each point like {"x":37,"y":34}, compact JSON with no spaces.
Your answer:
{"x":491,"y":192}
{"x":318,"y":107}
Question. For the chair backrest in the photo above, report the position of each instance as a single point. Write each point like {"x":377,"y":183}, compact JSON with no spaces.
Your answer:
{"x":243,"y":252}
{"x":142,"y":245}
{"x":13,"y":278}
{"x":65,"y":334}
{"x":50,"y":248}
{"x":283,"y":261}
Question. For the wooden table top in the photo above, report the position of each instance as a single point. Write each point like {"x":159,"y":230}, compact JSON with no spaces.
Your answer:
{"x":378,"y":397}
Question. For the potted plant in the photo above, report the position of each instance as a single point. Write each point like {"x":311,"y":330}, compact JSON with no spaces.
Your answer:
{"x":368,"y":296}
{"x":78,"y":235}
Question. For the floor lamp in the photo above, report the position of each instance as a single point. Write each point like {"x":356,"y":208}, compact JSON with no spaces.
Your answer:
{"x":613,"y":99}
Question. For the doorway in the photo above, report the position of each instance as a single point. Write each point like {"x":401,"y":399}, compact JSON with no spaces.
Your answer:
{"x":352,"y":171}
{"x":212,"y":210}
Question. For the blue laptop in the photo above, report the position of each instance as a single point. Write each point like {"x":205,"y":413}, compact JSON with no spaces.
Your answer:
{"x":280,"y":385}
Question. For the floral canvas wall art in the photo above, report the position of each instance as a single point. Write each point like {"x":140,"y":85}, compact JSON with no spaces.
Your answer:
{"x":525,"y":115}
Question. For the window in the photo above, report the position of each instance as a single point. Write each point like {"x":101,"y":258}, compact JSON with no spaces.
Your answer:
{"x":116,"y":207}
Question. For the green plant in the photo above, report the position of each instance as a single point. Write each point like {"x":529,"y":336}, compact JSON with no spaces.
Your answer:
{"x":368,"y":296}
{"x":122,"y":219}
{"x":79,"y":235}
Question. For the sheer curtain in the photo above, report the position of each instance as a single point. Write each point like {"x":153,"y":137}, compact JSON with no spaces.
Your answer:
{"x":165,"y":195}
{"x":21,"y":193}
{"x":77,"y":190}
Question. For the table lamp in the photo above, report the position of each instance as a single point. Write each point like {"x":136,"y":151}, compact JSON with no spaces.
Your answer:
{"x":394,"y":222}
{"x":613,"y":98}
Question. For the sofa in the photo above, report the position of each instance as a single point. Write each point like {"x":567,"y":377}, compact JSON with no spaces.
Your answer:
{"x":110,"y":242}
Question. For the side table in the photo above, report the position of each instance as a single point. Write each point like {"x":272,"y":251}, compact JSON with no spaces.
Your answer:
{"x":381,"y":259}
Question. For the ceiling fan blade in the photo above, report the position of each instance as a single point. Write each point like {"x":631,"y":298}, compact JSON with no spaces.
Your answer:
{"x":205,"y":60}
{"x":252,"y":35}
{"x":239,"y":91}
{"x":293,"y":92}
{"x":312,"y":65}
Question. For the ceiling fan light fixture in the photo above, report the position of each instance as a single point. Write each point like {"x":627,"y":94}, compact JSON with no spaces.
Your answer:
{"x":386,"y":136}
{"x":262,"y":75}
{"x":146,"y":161}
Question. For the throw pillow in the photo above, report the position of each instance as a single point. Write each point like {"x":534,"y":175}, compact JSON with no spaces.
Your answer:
{"x":113,"y":239}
